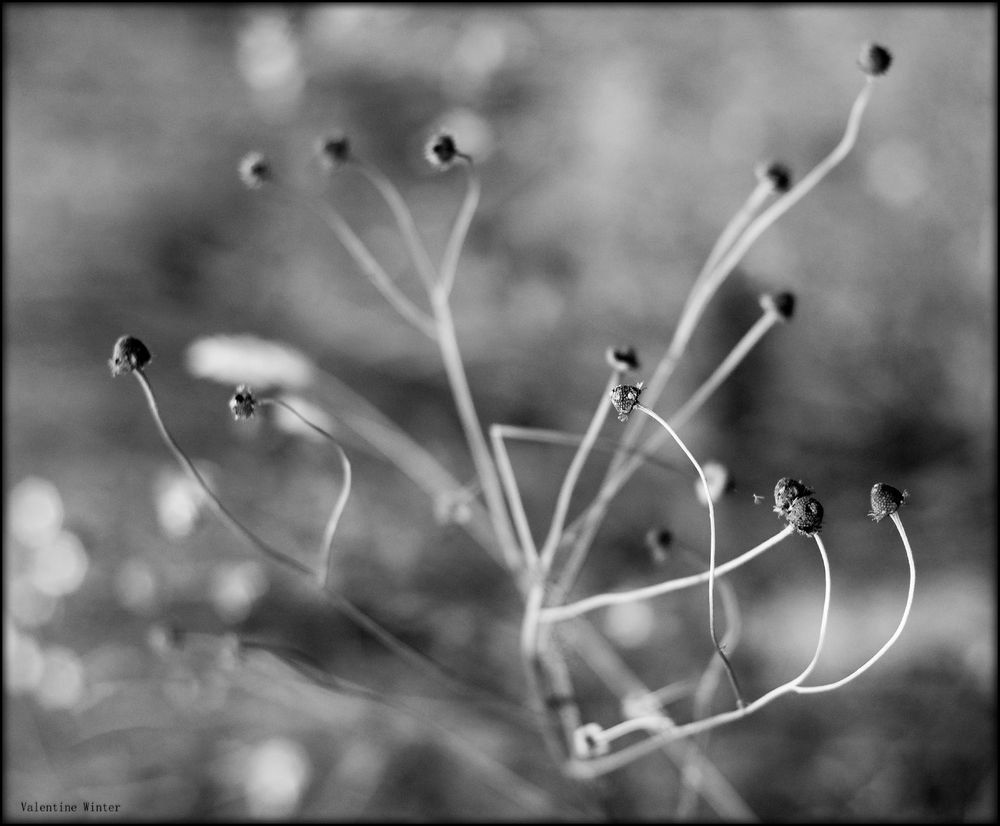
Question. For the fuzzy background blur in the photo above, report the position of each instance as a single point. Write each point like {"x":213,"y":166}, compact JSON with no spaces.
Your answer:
{"x":614,"y":142}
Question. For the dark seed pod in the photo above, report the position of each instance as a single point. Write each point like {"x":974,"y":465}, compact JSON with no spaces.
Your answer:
{"x":334,"y":151}
{"x":624,"y":397}
{"x":255,"y":171}
{"x":775,"y":173}
{"x":129,"y":354}
{"x":886,"y":500}
{"x":441,"y":150}
{"x":243,"y":403}
{"x":806,"y":515}
{"x":782,"y":303}
{"x":622,"y":358}
{"x":874,"y":60}
{"x":786,"y":492}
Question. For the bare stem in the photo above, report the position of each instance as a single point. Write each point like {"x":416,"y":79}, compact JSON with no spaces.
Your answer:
{"x":404,"y":220}
{"x":560,"y":613}
{"x":815,"y":689}
{"x":460,"y":229}
{"x":219,"y":509}
{"x":326,"y":545}
{"x":711,"y":546}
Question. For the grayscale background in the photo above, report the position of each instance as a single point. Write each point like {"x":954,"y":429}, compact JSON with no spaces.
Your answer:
{"x":614,"y":142}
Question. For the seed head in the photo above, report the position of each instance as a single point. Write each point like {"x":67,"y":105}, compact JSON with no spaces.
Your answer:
{"x":624,"y":397}
{"x":334,"y":151}
{"x":243,"y":403}
{"x":874,"y":60}
{"x":658,"y":542}
{"x":255,"y":171}
{"x":622,"y":358}
{"x":776,"y":173}
{"x":806,"y":515}
{"x":129,"y":354}
{"x":589,"y":741}
{"x":786,"y":492}
{"x":783,"y":304}
{"x":886,"y":500}
{"x":441,"y":150}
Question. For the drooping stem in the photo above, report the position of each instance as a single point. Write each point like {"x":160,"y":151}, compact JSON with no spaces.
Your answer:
{"x":711,"y":546}
{"x":214,"y":502}
{"x":326,"y":545}
{"x":815,"y":689}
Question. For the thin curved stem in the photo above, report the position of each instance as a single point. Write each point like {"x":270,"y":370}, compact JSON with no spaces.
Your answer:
{"x":574,"y":609}
{"x":551,"y":544}
{"x":598,"y":766}
{"x":214,"y":502}
{"x":513,"y":492}
{"x":326,"y":545}
{"x":815,"y":689}
{"x":404,"y":220}
{"x":711,"y":546}
{"x":460,"y":229}
{"x":371,"y":268}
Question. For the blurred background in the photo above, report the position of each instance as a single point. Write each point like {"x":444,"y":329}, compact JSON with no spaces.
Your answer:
{"x":614,"y":143}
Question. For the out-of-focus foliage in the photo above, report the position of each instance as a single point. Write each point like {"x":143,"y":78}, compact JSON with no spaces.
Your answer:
{"x":614,"y":141}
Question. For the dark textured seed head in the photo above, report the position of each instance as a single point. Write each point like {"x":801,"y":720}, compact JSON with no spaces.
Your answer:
{"x":334,"y":151}
{"x":806,"y":515}
{"x":441,"y":150}
{"x":255,"y":171}
{"x":777,"y":174}
{"x":624,"y":397}
{"x":874,"y":60}
{"x":886,"y":500}
{"x":129,"y":354}
{"x":787,"y":491}
{"x":658,"y":542}
{"x":622,"y":358}
{"x":243,"y":403}
{"x":782,"y":303}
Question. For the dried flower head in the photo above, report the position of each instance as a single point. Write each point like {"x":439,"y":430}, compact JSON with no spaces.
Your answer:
{"x":886,"y":500}
{"x":243,"y":403}
{"x":589,"y":741}
{"x":658,"y":542}
{"x":255,"y":171}
{"x":777,"y":174}
{"x":783,"y":304}
{"x":786,"y":492}
{"x":441,"y":150}
{"x":624,"y":397}
{"x":622,"y":358}
{"x":874,"y":59}
{"x":806,"y":515}
{"x":334,"y":150}
{"x":129,"y":354}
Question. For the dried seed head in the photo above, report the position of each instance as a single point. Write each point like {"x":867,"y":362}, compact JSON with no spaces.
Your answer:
{"x":129,"y":354}
{"x":775,"y":173}
{"x":874,"y":60}
{"x":441,"y":150}
{"x":806,"y":515}
{"x":255,"y":171}
{"x":783,"y":304}
{"x":334,"y":151}
{"x":786,"y":492}
{"x":658,"y":542}
{"x":589,"y":741}
{"x":624,"y":397}
{"x":243,"y":403}
{"x":622,"y":358}
{"x":886,"y":500}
